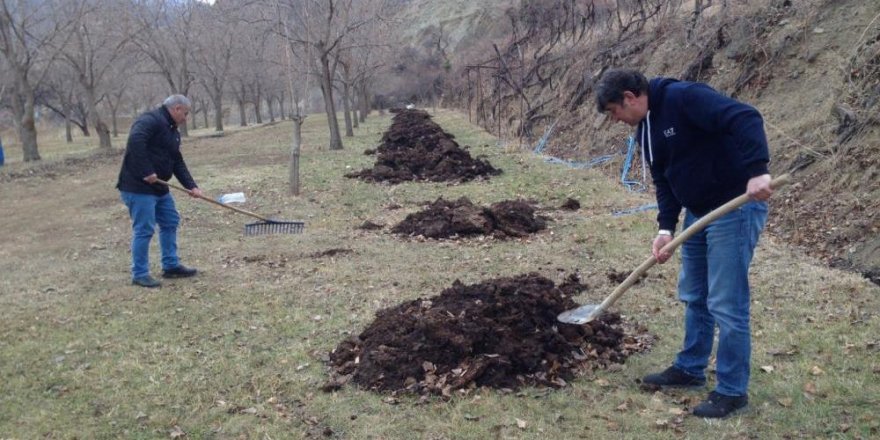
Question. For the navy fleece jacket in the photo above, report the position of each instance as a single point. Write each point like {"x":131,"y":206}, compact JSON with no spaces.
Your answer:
{"x":153,"y":147}
{"x":702,"y":147}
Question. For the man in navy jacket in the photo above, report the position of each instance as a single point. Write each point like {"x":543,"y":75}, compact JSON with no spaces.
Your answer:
{"x":153,"y":153}
{"x":703,"y":149}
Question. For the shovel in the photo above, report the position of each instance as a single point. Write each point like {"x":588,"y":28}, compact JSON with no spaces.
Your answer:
{"x":267,"y":226}
{"x":589,"y":312}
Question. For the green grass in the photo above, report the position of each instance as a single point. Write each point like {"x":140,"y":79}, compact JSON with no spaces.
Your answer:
{"x":238,"y":352}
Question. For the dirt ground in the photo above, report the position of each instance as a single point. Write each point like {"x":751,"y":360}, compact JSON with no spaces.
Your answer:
{"x":242,"y":349}
{"x":415,"y":148}
{"x":462,"y":218}
{"x":501,"y":333}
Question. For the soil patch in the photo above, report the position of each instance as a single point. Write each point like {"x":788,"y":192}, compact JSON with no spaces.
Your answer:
{"x":500,"y":333}
{"x":571,"y":204}
{"x":445,"y":219}
{"x":416,"y":148}
{"x":60,"y":168}
{"x":370,"y":226}
{"x":331,"y":253}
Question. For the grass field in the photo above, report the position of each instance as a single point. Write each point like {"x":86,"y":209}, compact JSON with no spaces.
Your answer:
{"x":239,"y":351}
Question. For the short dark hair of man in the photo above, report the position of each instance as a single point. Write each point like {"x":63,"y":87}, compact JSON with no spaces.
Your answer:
{"x":614,"y":82}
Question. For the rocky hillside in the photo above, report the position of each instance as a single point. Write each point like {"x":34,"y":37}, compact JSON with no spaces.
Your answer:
{"x":812,"y":67}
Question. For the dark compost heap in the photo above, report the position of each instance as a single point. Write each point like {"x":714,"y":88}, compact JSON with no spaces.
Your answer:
{"x":416,"y":148}
{"x":444,"y":219}
{"x":500,"y":333}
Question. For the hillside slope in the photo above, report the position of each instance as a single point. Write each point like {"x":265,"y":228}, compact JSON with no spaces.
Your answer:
{"x":462,"y":21}
{"x":812,"y":68}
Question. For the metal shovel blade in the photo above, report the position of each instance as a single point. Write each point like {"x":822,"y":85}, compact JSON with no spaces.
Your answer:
{"x":587,"y":313}
{"x":580,"y":315}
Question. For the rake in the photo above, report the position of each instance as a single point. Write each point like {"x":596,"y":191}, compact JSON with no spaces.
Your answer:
{"x":266,"y":226}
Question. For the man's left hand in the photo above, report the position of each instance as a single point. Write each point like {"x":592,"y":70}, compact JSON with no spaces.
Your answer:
{"x":759,"y":188}
{"x":196,"y":192}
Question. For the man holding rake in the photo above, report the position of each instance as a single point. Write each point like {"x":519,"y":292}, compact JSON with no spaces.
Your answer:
{"x":153,"y":153}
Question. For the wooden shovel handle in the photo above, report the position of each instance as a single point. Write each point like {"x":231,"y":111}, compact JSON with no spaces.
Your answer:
{"x":687,"y":233}
{"x":239,"y":210}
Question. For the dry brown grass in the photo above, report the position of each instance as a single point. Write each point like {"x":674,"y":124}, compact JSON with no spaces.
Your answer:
{"x":237,"y":352}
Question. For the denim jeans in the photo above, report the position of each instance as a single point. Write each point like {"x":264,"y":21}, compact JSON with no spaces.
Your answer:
{"x":714,"y":286}
{"x":146,"y":212}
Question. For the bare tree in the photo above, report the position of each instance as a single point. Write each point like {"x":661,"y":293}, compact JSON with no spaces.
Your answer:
{"x":166,"y":36}
{"x":322,"y":28}
{"x":299,"y":67}
{"x":99,"y":37}
{"x":215,"y":48}
{"x":59,"y":93}
{"x":26,"y":31}
{"x":345,"y":78}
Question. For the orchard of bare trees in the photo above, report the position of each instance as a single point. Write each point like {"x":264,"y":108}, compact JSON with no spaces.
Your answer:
{"x":90,"y":63}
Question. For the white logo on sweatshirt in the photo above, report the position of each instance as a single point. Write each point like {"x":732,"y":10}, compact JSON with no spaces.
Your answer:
{"x":669,"y":132}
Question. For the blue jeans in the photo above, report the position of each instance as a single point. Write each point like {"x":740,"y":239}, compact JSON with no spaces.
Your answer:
{"x":714,"y":286}
{"x":146,"y":212}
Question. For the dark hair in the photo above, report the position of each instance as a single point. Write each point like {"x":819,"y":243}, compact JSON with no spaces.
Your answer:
{"x":614,"y":82}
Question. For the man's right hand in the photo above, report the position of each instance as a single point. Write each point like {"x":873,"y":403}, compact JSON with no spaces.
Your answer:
{"x":659,"y":242}
{"x":151,"y":179}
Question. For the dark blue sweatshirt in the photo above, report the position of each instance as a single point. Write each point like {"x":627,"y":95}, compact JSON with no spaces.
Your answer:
{"x":702,"y":147}
{"x":153,"y":147}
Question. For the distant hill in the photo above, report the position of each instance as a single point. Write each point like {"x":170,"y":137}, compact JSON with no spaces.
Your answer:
{"x":462,"y":21}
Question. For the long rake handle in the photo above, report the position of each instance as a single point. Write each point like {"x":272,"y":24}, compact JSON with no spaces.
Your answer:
{"x":687,"y":233}
{"x":239,"y":210}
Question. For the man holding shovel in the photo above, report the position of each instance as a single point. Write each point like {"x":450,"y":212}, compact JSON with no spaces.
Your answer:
{"x":153,"y":153}
{"x":703,"y":149}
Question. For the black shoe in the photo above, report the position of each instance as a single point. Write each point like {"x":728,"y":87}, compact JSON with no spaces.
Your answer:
{"x":673,"y":377}
{"x":179,"y":272}
{"x":146,"y":281}
{"x":718,"y":406}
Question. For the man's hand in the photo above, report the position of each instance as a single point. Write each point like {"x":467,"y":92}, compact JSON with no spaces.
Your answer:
{"x":659,"y":242}
{"x":151,"y":179}
{"x":758,"y":188}
{"x":196,"y":192}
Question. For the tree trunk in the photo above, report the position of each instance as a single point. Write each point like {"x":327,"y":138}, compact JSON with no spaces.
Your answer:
{"x":113,"y":121}
{"x":271,"y":111}
{"x":365,"y":102}
{"x":354,"y":112}
{"x":346,"y":112}
{"x":95,"y":120}
{"x":184,"y":131}
{"x":242,"y":114}
{"x":281,"y":104}
{"x":68,"y":126}
{"x":329,"y":106}
{"x":217,"y":99}
{"x":258,"y":106}
{"x":23,"y":109}
{"x":294,"y":183}
{"x":205,"y":115}
{"x":346,"y":100}
{"x":104,"y":135}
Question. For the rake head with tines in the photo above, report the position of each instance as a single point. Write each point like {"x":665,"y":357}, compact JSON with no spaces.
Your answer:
{"x":272,"y":227}
{"x":266,"y":226}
